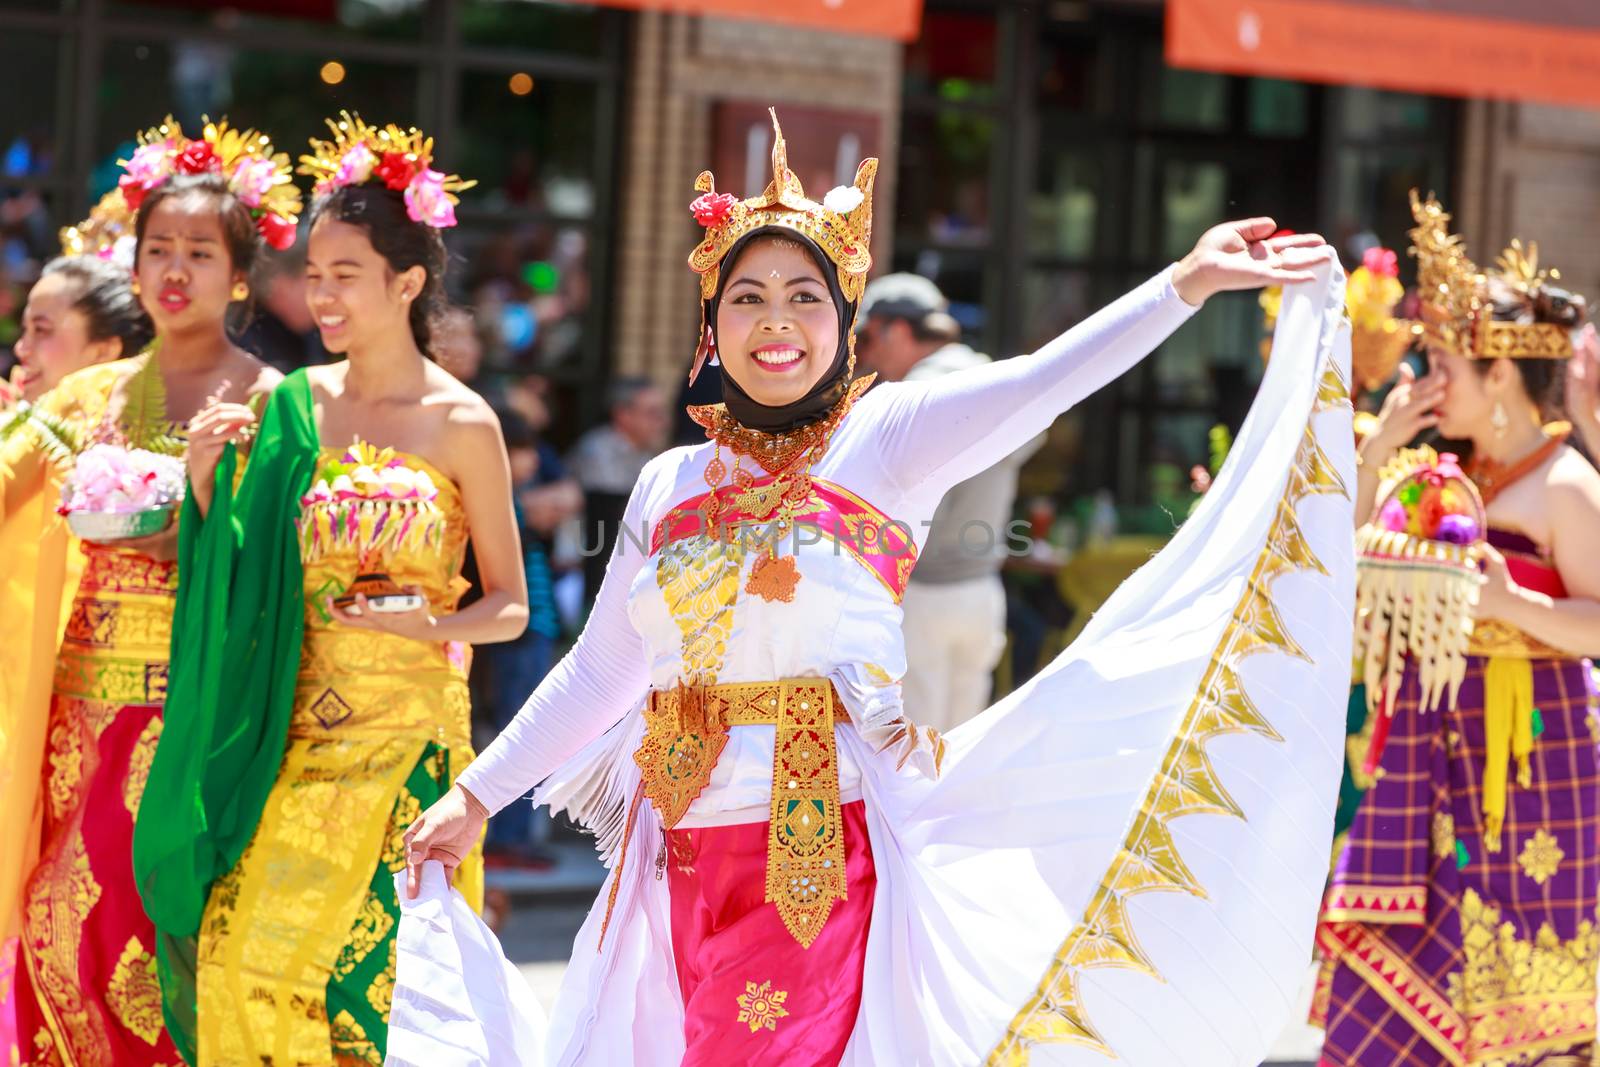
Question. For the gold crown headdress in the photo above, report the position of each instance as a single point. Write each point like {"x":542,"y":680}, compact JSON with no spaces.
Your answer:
{"x":1456,"y":312}
{"x":841,"y":226}
{"x":256,"y":175}
{"x":108,"y":232}
{"x":401,"y":159}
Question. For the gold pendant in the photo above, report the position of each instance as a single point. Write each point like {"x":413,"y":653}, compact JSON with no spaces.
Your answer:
{"x":773,"y":579}
{"x":760,"y":501}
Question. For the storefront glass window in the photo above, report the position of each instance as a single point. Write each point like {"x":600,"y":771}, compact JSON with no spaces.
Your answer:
{"x":28,"y":133}
{"x":530,"y":142}
{"x":532,"y":24}
{"x":286,"y":94}
{"x":1279,"y":108}
{"x":1075,"y":75}
{"x":954,"y":57}
{"x":1185,"y":98}
{"x":1374,"y":112}
{"x":332,"y":19}
{"x":1067,"y":198}
{"x":945,"y":160}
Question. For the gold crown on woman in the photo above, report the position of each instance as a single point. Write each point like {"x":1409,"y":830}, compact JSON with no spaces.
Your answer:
{"x":841,"y":225}
{"x":1456,"y":310}
{"x":107,"y":233}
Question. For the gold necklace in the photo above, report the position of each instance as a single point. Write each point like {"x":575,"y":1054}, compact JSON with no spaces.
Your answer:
{"x":788,"y":457}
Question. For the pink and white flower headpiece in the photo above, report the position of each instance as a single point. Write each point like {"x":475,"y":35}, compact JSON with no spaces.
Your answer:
{"x":256,"y":175}
{"x":401,"y":160}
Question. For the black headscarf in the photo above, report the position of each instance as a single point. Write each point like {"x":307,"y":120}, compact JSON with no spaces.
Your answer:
{"x":829,"y":389}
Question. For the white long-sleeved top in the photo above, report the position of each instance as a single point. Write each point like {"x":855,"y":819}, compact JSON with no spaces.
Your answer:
{"x":1119,"y":857}
{"x":900,"y":448}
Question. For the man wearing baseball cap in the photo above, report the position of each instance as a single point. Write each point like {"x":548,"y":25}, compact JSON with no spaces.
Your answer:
{"x":955,"y":605}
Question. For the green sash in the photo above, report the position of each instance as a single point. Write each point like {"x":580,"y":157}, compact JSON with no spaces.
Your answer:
{"x":230,"y":693}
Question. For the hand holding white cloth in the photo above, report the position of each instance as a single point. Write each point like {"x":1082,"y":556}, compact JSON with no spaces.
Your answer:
{"x":458,"y":1002}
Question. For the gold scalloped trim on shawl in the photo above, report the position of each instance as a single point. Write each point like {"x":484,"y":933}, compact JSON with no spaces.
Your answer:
{"x":1187,"y":783}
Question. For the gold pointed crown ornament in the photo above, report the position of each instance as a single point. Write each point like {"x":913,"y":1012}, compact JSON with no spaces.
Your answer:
{"x":108,"y":232}
{"x":1456,"y":311}
{"x":399,"y":159}
{"x":1417,"y":578}
{"x":841,"y":226}
{"x":256,"y":175}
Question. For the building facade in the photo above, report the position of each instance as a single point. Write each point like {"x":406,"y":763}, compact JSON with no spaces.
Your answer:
{"x":1037,"y":159}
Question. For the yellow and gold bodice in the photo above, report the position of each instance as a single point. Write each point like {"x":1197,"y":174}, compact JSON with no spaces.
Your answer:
{"x":361,"y":684}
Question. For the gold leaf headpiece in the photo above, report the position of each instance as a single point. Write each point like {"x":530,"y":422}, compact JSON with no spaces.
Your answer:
{"x":399,"y":159}
{"x":1456,"y":312}
{"x":841,"y":225}
{"x":106,"y":233}
{"x":256,"y":175}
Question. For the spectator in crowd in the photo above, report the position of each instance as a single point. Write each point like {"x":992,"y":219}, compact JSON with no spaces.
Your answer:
{"x":955,"y":604}
{"x":607,"y":460}
{"x":282,"y":333}
{"x":544,"y":498}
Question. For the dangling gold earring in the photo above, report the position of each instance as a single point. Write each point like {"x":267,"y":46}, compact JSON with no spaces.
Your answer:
{"x":134,"y":285}
{"x":241,"y":291}
{"x":1499,"y":420}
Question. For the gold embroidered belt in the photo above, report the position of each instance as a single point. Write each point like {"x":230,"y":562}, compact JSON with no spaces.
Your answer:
{"x":686,"y":729}
{"x":1491,"y":637}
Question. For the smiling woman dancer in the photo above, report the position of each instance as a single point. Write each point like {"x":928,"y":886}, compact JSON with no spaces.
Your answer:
{"x":205,"y":206}
{"x":319,"y":697}
{"x":803,"y":875}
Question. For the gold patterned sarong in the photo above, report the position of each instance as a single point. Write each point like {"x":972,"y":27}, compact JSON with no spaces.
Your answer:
{"x":686,"y":728}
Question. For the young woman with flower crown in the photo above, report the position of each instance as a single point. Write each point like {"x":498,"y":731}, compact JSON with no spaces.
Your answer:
{"x":803,"y":875}
{"x":318,"y":699}
{"x":200,"y":209}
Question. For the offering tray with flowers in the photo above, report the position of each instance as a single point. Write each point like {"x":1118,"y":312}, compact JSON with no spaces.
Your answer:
{"x":369,"y":500}
{"x":1417,"y":582}
{"x":115,"y":493}
{"x":129,"y":482}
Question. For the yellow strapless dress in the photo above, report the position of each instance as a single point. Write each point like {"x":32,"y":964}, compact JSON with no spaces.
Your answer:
{"x":296,"y":954}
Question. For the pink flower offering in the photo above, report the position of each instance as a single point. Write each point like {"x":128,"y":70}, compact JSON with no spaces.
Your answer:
{"x":108,"y":479}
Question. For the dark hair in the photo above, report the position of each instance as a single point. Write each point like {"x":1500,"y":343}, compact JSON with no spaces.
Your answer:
{"x":402,"y":243}
{"x":1543,"y":379}
{"x":514,"y":429}
{"x":105,"y":298}
{"x":239,"y":231}
{"x":622,"y":392}
{"x":926,"y":328}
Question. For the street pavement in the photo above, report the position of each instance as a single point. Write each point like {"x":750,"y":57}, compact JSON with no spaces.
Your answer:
{"x":538,"y":934}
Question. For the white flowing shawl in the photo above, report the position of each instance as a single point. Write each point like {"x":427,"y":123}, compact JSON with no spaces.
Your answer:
{"x":1122,"y":858}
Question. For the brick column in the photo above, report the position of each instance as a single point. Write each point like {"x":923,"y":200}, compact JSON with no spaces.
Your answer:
{"x":680,"y":67}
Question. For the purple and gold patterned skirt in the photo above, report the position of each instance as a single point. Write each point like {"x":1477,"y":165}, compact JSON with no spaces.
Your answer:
{"x":1439,"y":949}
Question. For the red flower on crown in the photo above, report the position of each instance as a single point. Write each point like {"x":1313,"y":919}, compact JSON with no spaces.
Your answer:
{"x":198,"y":157}
{"x":713,"y":209}
{"x":396,"y":170}
{"x":133,"y":191}
{"x":1381,"y":261}
{"x":276,"y":230}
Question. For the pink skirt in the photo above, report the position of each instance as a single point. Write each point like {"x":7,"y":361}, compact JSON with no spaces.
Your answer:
{"x":751,"y":994}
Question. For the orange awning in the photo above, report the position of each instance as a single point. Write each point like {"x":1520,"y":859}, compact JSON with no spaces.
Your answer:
{"x":1547,"y":50}
{"x":899,"y":19}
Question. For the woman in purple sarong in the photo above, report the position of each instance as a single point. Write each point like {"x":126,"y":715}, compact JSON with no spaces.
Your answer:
{"x":1459,"y":926}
